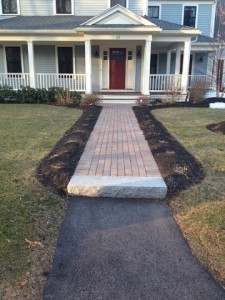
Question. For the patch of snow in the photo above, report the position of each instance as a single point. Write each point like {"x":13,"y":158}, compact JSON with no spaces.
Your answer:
{"x":217,"y":105}
{"x":212,"y":94}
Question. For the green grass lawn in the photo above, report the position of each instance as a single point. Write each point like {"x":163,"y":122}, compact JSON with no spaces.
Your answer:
{"x":200,"y":210}
{"x":27,"y":209}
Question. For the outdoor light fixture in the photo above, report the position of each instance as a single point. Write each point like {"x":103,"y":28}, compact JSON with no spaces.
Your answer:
{"x":138,"y":53}
{"x":96,"y":54}
{"x":201,"y":59}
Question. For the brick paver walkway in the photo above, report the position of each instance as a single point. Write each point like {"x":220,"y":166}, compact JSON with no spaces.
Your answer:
{"x":117,"y":146}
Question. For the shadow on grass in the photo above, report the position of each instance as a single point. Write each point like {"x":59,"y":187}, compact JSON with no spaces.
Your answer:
{"x":178,"y":167}
{"x":56,"y":169}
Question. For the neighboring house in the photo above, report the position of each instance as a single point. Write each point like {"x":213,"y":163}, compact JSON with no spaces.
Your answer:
{"x":119,"y":45}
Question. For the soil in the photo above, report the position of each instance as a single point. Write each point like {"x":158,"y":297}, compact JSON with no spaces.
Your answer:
{"x":178,"y":167}
{"x":218,"y":128}
{"x":56,"y":169}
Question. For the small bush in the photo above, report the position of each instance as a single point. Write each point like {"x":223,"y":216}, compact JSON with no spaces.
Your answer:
{"x":27,"y":95}
{"x":198,"y":89}
{"x":143,"y":101}
{"x":6,"y":93}
{"x":65,"y":97}
{"x":173,"y":94}
{"x":90,"y":99}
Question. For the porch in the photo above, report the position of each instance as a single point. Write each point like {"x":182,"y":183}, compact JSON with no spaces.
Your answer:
{"x":158,"y":83}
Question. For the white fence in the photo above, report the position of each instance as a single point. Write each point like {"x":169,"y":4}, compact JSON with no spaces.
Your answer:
{"x":208,"y":80}
{"x":15,"y":80}
{"x":164,"y":82}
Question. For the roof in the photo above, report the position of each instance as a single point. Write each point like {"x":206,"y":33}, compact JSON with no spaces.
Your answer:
{"x":42,"y":22}
{"x":167,"y":25}
{"x":205,"y":39}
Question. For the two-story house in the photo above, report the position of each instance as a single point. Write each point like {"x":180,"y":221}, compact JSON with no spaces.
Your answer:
{"x":106,"y":45}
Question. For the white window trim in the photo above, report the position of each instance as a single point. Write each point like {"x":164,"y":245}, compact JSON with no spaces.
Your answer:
{"x":72,"y":9}
{"x":127,"y":4}
{"x":159,"y":6}
{"x":196,"y":17}
{"x":18,"y":10}
{"x":21,"y":57}
{"x":57,"y":60}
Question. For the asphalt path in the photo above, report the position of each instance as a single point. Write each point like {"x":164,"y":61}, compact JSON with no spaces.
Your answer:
{"x":125,"y":249}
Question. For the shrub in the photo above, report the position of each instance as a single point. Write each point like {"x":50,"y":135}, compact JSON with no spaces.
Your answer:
{"x":198,"y":89}
{"x":174,"y":92}
{"x":143,"y":101}
{"x":6,"y":93}
{"x":65,"y":97}
{"x":27,"y":95}
{"x":90,"y":99}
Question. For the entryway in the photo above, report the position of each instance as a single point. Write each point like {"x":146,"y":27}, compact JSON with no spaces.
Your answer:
{"x":117,"y":68}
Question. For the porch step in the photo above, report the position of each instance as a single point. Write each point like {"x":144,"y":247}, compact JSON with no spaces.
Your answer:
{"x":120,"y":98}
{"x":117,"y":186}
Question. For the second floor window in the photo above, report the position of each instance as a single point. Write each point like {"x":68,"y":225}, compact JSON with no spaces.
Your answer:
{"x":13,"y":59}
{"x":153,"y":11}
{"x":189,"y":16}
{"x":9,"y":7}
{"x":121,"y":2}
{"x":63,"y":7}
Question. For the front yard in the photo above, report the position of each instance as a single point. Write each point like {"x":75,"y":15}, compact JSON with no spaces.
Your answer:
{"x":29,"y":212}
{"x":200,"y":210}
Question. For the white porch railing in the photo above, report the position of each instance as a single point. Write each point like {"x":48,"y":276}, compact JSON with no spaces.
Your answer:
{"x":208,"y":80}
{"x":73,"y":82}
{"x":15,"y":80}
{"x":164,"y":82}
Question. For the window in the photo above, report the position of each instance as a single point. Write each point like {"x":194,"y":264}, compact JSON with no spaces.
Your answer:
{"x":13,"y":59}
{"x":63,"y":7}
{"x":153,"y":66}
{"x":65,"y":60}
{"x":153,"y":11}
{"x":121,"y":2}
{"x":189,"y":16}
{"x":9,"y":7}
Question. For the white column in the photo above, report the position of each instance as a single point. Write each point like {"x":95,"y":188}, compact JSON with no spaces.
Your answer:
{"x":177,"y":62}
{"x":186,"y":62}
{"x":31,"y":64}
{"x":88,"y":70}
{"x":168,"y":62}
{"x":146,"y":67}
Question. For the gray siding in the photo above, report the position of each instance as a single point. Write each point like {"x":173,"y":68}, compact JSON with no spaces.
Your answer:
{"x":162,"y":58}
{"x":89,"y":7}
{"x":138,"y":71}
{"x":25,"y":59}
{"x":172,"y":13}
{"x":2,"y":63}
{"x":136,"y":6}
{"x":45,"y":59}
{"x":80,"y":59}
{"x":204,"y":18}
{"x":36,"y":7}
{"x":172,"y":63}
{"x":200,"y":67}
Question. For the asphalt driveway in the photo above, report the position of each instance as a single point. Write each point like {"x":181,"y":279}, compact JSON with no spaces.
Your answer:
{"x":125,"y":249}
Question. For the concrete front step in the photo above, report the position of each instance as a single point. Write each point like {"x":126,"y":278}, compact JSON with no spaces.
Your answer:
{"x":117,"y":186}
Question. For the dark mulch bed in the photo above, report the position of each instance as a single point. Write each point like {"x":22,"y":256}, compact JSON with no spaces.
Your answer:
{"x":178,"y":167}
{"x":56,"y":169}
{"x":218,"y":128}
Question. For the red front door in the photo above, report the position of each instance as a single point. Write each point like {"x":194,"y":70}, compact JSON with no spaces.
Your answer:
{"x":117,"y":68}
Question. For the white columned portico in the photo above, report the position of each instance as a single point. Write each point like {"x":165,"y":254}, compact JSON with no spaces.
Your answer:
{"x":31,"y":63}
{"x":186,"y":62}
{"x":168,"y":62}
{"x":88,"y":67}
{"x":177,"y":62}
{"x":146,"y":61}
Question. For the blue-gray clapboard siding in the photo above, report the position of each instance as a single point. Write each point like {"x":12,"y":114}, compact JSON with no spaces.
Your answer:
{"x":204,"y":18}
{"x":89,"y":7}
{"x":172,"y":13}
{"x":25,"y":59}
{"x":200,"y":65}
{"x":36,"y":7}
{"x":136,"y":6}
{"x":45,"y":61}
{"x":80,"y":59}
{"x":2,"y":63}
